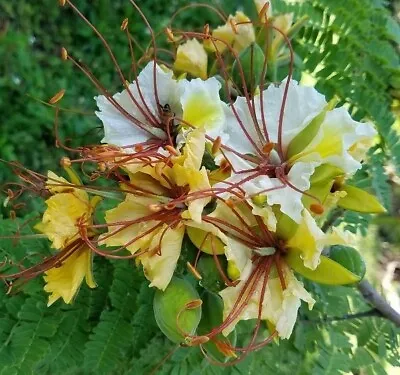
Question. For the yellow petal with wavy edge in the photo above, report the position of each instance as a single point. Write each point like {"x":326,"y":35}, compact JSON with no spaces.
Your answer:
{"x":133,"y":208}
{"x":304,"y":138}
{"x":198,"y":181}
{"x":359,"y":200}
{"x":201,"y":110}
{"x":62,"y":214}
{"x":193,"y":151}
{"x":191,"y":57}
{"x":159,"y":266}
{"x":327,"y":272}
{"x":64,"y":281}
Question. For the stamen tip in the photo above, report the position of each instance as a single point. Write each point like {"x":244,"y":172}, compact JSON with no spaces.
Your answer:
{"x":57,"y":97}
{"x":317,"y":208}
{"x":65,"y":162}
{"x":64,"y":54}
{"x":124,"y":24}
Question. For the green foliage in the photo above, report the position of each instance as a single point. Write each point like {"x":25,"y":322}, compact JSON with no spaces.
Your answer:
{"x":112,"y":330}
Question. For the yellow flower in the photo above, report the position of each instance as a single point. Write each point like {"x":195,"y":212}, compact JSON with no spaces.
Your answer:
{"x":65,"y":208}
{"x":151,"y":224}
{"x":238,"y":32}
{"x":191,"y":57}
{"x":64,"y":281}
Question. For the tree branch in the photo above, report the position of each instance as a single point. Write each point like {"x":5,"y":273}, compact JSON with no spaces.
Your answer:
{"x":372,"y":296}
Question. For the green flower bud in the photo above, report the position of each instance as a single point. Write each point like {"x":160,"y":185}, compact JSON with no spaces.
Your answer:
{"x":177,"y":310}
{"x":349,"y":258}
{"x":218,"y":348}
{"x":211,"y":277}
{"x":327,"y":272}
{"x":359,"y":200}
{"x":252,"y":63}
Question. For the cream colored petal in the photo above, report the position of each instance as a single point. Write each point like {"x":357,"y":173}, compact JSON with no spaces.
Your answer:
{"x":120,"y":129}
{"x":291,"y":301}
{"x":198,"y":181}
{"x":280,"y":307}
{"x":303,"y":103}
{"x":193,"y":150}
{"x":121,"y":230}
{"x":240,"y":256}
{"x":159,"y":269}
{"x":289,"y":199}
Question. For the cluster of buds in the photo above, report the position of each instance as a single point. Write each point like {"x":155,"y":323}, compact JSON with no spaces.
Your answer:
{"x":207,"y":159}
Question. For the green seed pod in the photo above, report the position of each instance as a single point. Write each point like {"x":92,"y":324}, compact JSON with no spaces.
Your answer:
{"x":252,"y":63}
{"x":177,"y":309}
{"x":212,"y":310}
{"x":210,"y":276}
{"x":349,"y":258}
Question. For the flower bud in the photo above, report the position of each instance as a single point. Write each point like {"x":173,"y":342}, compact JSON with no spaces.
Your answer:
{"x":349,"y":258}
{"x":192,"y":58}
{"x":219,"y":347}
{"x":177,"y":310}
{"x":211,"y":277}
{"x":360,"y":201}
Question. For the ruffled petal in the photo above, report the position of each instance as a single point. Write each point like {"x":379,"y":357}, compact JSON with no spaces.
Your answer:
{"x":61,"y":216}
{"x":133,"y":208}
{"x":202,"y":106}
{"x":303,"y":103}
{"x":289,"y":199}
{"x":159,"y":267}
{"x":119,"y":129}
{"x":337,"y":141}
{"x":65,"y":280}
{"x":280,"y":307}
{"x":238,"y":117}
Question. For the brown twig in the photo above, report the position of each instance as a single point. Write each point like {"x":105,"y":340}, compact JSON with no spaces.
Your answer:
{"x":372,"y":296}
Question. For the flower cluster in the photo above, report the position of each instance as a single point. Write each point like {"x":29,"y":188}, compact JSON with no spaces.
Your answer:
{"x":210,"y":161}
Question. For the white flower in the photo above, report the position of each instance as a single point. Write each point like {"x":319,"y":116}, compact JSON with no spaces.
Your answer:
{"x":338,"y":136}
{"x":137,"y":115}
{"x":250,"y":129}
{"x":279,"y":306}
{"x":135,"y":125}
